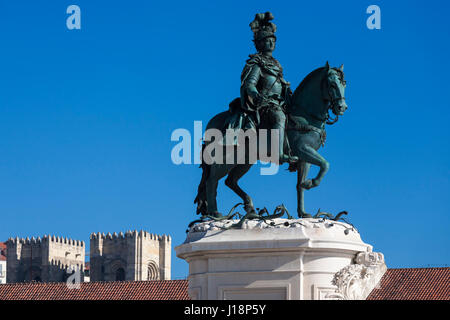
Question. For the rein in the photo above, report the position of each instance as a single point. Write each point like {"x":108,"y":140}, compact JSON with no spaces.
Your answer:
{"x":332,"y":104}
{"x":332,"y":121}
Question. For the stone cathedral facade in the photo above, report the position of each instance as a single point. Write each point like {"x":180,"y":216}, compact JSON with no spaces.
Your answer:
{"x":132,"y":256}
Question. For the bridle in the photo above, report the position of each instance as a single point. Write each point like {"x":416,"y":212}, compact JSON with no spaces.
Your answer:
{"x":332,"y":103}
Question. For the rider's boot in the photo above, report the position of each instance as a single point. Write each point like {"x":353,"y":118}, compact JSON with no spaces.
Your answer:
{"x":280,"y":124}
{"x":284,"y":157}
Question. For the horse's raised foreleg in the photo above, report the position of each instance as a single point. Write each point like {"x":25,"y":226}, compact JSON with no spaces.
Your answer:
{"x":233,"y":177}
{"x":302,"y":173}
{"x":310,"y":155}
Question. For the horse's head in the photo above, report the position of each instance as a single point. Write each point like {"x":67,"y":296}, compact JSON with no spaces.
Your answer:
{"x":334,"y":89}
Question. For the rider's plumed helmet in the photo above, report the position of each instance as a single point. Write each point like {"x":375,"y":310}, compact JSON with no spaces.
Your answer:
{"x":262,"y":27}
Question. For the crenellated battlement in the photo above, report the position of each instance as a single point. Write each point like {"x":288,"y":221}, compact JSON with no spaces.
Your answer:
{"x":130,"y":234}
{"x":66,"y":266}
{"x":45,"y":240}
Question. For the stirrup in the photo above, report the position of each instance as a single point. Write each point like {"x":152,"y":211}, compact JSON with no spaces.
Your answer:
{"x":290,"y":159}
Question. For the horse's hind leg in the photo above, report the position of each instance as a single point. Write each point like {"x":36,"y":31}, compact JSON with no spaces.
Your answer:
{"x":233,"y":177}
{"x":217,"y":172}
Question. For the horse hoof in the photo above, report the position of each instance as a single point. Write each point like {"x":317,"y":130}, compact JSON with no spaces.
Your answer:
{"x":252,"y":215}
{"x":304,"y":215}
{"x":215,"y":214}
{"x":307,"y":184}
{"x":249,"y":209}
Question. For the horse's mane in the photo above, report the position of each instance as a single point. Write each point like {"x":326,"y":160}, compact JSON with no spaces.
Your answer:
{"x":302,"y":85}
{"x":313,"y":74}
{"x":307,"y":78}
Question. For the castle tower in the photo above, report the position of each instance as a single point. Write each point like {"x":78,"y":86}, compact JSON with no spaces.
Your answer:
{"x":132,"y":256}
{"x":50,"y":259}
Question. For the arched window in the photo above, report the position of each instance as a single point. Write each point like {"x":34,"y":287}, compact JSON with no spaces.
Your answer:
{"x":120,"y":274}
{"x":152,"y":271}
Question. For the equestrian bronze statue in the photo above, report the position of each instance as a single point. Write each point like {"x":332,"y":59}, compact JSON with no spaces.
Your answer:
{"x":267,"y":102}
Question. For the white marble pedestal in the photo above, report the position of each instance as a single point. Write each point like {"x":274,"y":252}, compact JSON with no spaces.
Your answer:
{"x":292,"y":259}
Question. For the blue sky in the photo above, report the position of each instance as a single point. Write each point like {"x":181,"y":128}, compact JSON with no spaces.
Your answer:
{"x":86,"y":116}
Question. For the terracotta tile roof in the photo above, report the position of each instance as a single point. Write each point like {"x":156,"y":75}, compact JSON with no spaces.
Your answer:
{"x":396,"y":284}
{"x":414,"y":284}
{"x":119,"y":290}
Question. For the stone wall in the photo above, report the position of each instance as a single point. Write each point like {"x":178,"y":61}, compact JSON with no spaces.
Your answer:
{"x":49,"y":259}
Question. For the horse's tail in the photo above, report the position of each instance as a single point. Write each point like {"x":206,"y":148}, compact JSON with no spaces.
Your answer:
{"x":200,"y":199}
{"x":217,"y":122}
